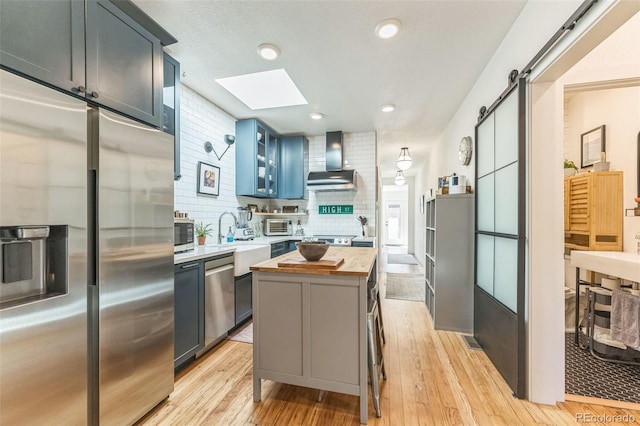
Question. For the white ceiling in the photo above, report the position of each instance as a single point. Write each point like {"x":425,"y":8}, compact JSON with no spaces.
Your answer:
{"x":344,"y":71}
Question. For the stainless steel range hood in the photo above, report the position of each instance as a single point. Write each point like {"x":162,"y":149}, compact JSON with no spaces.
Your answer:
{"x":344,"y":180}
{"x":334,"y":178}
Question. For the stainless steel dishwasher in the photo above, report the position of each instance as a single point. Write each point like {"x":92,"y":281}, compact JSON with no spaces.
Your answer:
{"x":219,"y":298}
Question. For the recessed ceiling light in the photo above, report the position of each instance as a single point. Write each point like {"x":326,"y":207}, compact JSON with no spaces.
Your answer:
{"x":268,"y":51}
{"x":388,"y":28}
{"x":316,"y":115}
{"x":388,"y":108}
{"x":267,"y":89}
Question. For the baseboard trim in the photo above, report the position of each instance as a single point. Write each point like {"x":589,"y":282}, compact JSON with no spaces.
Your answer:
{"x":600,"y":401}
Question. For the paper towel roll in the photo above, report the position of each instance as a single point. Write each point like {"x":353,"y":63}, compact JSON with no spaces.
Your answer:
{"x":611,"y":283}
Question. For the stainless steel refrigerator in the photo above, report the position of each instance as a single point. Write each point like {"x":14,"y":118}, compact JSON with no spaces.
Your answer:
{"x":86,"y":261}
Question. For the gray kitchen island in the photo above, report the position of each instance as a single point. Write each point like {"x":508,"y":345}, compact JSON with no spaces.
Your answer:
{"x":309,"y":323}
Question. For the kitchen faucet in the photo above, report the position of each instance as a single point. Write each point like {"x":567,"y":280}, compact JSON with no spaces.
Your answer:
{"x":235,"y":225}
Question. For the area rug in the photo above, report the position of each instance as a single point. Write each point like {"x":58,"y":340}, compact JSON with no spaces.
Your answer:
{"x":586,"y":375}
{"x":405,"y":287}
{"x":406,"y":259}
{"x":243,"y":334}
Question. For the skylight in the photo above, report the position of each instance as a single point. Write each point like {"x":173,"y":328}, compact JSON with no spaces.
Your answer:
{"x":267,"y":89}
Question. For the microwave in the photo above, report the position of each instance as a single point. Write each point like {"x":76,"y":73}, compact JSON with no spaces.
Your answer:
{"x":183,"y":236}
{"x":276,"y":227}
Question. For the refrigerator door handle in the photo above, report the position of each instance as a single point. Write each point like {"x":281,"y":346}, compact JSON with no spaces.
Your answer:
{"x":92,"y":229}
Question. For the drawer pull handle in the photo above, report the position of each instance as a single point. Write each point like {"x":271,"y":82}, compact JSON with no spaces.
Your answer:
{"x":193,"y":265}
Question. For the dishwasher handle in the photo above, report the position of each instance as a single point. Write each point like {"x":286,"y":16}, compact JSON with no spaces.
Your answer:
{"x":217,"y":270}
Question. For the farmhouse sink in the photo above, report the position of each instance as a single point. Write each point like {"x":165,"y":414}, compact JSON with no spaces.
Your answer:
{"x":249,"y":254}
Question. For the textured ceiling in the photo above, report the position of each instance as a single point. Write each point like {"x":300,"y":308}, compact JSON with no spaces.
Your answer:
{"x":330,"y":51}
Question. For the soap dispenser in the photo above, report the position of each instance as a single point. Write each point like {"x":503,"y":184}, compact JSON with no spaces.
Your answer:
{"x":230,"y":236}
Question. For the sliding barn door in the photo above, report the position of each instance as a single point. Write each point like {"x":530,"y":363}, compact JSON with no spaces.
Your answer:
{"x":499,"y":290}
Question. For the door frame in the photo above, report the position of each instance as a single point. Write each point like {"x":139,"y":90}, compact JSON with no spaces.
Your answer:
{"x":545,"y":248}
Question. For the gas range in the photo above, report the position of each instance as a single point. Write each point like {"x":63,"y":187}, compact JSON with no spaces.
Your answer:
{"x":336,"y":240}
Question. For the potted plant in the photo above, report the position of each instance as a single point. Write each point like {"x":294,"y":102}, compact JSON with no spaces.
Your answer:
{"x":570,"y":168}
{"x":202,"y":231}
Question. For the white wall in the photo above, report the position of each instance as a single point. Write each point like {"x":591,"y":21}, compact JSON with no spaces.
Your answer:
{"x":619,"y":110}
{"x":203,"y":121}
{"x":537,"y":22}
{"x":535,"y":25}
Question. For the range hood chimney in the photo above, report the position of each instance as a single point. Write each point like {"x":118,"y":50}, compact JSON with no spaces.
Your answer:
{"x":334,"y":178}
{"x":334,"y":151}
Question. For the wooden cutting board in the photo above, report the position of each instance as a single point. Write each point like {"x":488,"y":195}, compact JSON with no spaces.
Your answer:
{"x":301,"y":262}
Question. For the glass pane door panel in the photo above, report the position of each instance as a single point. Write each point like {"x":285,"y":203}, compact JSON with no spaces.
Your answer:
{"x":261,"y":143}
{"x":485,"y":263}
{"x":485,"y":146}
{"x":506,"y":272}
{"x":506,"y":131}
{"x":485,"y":195}
{"x":272,"y":158}
{"x":507,"y":200}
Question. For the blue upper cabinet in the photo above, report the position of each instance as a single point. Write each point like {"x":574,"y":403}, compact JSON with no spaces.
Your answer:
{"x":294,"y":167}
{"x":109,"y":53}
{"x":257,"y":159}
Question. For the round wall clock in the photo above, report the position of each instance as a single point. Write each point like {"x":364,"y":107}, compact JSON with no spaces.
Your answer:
{"x":464,"y":150}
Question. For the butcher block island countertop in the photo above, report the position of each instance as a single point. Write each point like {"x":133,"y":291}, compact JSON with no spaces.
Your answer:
{"x":310,"y":323}
{"x":357,"y":262}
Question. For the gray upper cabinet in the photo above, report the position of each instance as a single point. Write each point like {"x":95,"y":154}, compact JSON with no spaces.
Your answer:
{"x":294,"y":167}
{"x":171,"y":107}
{"x":44,"y":40}
{"x":124,"y":64}
{"x":90,"y":48}
{"x":257,"y":160}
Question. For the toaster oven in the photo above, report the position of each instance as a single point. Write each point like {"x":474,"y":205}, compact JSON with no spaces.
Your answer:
{"x":276,"y":227}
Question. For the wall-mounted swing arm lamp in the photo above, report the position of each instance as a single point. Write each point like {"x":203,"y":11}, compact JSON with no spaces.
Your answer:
{"x":228,"y":139}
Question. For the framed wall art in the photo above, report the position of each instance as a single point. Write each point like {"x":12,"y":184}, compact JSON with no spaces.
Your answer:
{"x":208,"y":179}
{"x":592,"y":143}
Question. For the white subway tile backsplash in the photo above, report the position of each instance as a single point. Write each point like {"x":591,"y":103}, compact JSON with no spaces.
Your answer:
{"x":203,"y":121}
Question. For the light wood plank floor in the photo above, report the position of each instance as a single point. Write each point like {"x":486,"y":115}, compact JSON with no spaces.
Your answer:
{"x":433,"y":379}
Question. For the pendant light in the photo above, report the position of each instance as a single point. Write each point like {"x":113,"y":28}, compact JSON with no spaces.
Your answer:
{"x":399,"y":179}
{"x":404,"y":160}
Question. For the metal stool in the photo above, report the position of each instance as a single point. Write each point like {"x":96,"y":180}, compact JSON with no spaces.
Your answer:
{"x":374,"y":352}
{"x":374,"y":294}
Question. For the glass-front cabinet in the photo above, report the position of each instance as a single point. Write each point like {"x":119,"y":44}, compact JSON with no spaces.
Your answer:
{"x":256,"y":160}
